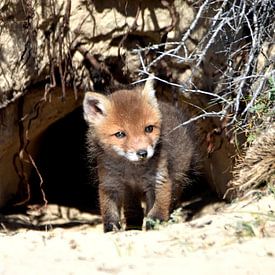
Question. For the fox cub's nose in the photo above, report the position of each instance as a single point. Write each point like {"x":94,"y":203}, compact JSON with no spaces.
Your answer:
{"x":142,"y":154}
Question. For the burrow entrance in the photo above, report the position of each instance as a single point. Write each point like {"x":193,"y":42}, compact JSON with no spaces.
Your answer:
{"x":69,"y":179}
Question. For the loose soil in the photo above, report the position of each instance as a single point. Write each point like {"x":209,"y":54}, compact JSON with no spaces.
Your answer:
{"x":237,"y":238}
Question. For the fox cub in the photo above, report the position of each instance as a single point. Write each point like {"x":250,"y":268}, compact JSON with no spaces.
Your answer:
{"x":142,"y":155}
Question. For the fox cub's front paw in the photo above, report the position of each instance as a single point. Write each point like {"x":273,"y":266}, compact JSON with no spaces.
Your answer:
{"x":151,"y":224}
{"x":111,"y":226}
{"x":155,"y":217}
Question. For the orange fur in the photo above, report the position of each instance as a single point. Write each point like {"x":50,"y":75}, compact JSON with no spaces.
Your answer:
{"x":128,"y":112}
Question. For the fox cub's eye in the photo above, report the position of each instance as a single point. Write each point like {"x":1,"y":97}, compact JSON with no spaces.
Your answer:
{"x":149,"y":129}
{"x":120,"y":134}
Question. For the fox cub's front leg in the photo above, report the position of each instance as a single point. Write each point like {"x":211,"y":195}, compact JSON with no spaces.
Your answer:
{"x":133,"y":211}
{"x":163,"y":193}
{"x":110,"y":205}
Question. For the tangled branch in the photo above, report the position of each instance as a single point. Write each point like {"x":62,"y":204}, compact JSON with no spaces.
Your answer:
{"x":238,"y":32}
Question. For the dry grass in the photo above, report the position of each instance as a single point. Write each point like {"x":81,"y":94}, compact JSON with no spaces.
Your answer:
{"x":258,"y":165}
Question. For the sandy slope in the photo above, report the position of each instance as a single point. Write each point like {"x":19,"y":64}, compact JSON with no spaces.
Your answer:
{"x":238,"y":239}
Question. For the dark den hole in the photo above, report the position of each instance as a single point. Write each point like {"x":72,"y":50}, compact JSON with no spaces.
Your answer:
{"x":62,"y":162}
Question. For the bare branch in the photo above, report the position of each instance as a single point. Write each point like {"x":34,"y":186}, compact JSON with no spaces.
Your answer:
{"x":241,"y":28}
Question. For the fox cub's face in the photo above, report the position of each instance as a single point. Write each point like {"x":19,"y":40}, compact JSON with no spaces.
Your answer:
{"x":126,"y":123}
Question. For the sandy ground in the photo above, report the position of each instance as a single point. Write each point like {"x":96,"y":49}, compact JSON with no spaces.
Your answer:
{"x":225,"y":239}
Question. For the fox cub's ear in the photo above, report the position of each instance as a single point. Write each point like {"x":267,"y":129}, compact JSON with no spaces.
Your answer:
{"x":95,"y":107}
{"x":149,"y":91}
